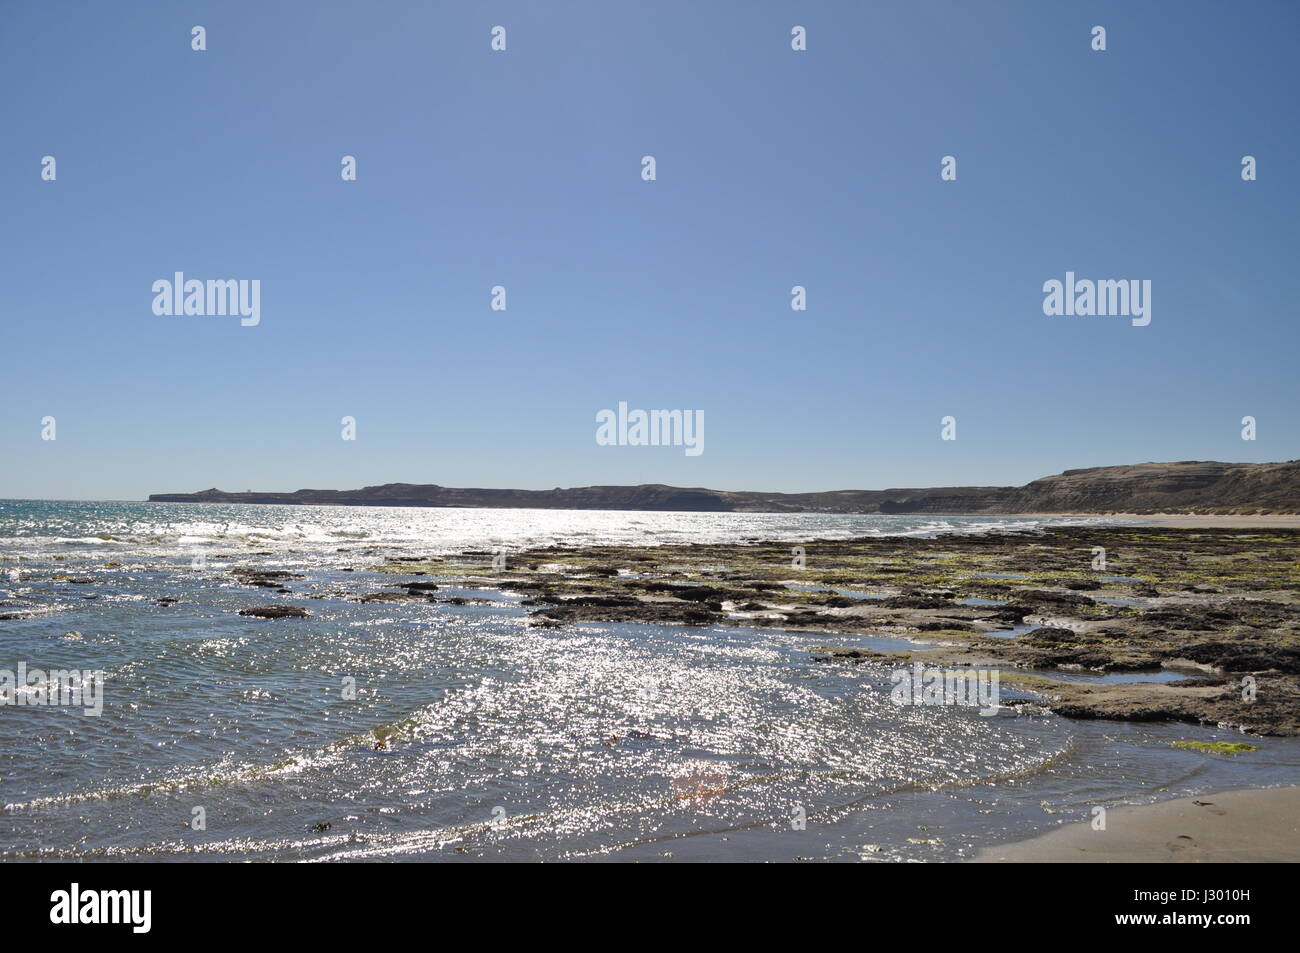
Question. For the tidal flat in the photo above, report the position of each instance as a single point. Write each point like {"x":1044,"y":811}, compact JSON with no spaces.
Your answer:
{"x":1074,"y":617}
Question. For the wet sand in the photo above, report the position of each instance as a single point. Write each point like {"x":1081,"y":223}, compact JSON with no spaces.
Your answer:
{"x":1261,"y":826}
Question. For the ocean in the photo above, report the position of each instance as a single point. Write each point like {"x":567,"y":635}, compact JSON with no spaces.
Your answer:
{"x":441,"y":731}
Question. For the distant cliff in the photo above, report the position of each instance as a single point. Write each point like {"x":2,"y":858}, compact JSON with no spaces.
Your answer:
{"x":1187,"y":487}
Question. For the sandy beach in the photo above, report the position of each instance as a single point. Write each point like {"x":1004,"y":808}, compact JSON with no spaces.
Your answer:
{"x":1258,"y":826}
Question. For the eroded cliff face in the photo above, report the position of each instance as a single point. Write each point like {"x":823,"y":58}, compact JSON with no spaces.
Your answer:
{"x":1194,"y":487}
{"x":1186,"y":487}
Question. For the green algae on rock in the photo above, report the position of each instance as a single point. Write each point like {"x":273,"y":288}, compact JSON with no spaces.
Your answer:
{"x":1216,"y":747}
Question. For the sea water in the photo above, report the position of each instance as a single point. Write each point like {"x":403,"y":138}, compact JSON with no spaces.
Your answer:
{"x":437,"y":731}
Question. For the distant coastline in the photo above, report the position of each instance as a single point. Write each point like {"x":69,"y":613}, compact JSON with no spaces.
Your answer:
{"x":1188,"y":488}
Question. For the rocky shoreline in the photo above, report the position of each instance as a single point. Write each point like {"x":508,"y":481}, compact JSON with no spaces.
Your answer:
{"x":1220,"y":606}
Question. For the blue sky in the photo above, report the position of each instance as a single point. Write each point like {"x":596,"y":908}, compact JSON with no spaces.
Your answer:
{"x":522,"y":168}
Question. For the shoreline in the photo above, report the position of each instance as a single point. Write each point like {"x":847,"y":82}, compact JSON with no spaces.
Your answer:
{"x":1255,"y":825}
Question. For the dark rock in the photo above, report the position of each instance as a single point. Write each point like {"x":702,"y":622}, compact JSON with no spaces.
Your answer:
{"x":855,"y":656}
{"x":255,"y":573}
{"x":1042,"y":597}
{"x":275,"y":612}
{"x":390,"y":596}
{"x":913,"y":602}
{"x":1240,"y":656}
{"x":1053,"y":635}
{"x":636,"y":611}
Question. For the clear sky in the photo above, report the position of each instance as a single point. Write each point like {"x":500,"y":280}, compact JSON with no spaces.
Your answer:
{"x":522,"y":168}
